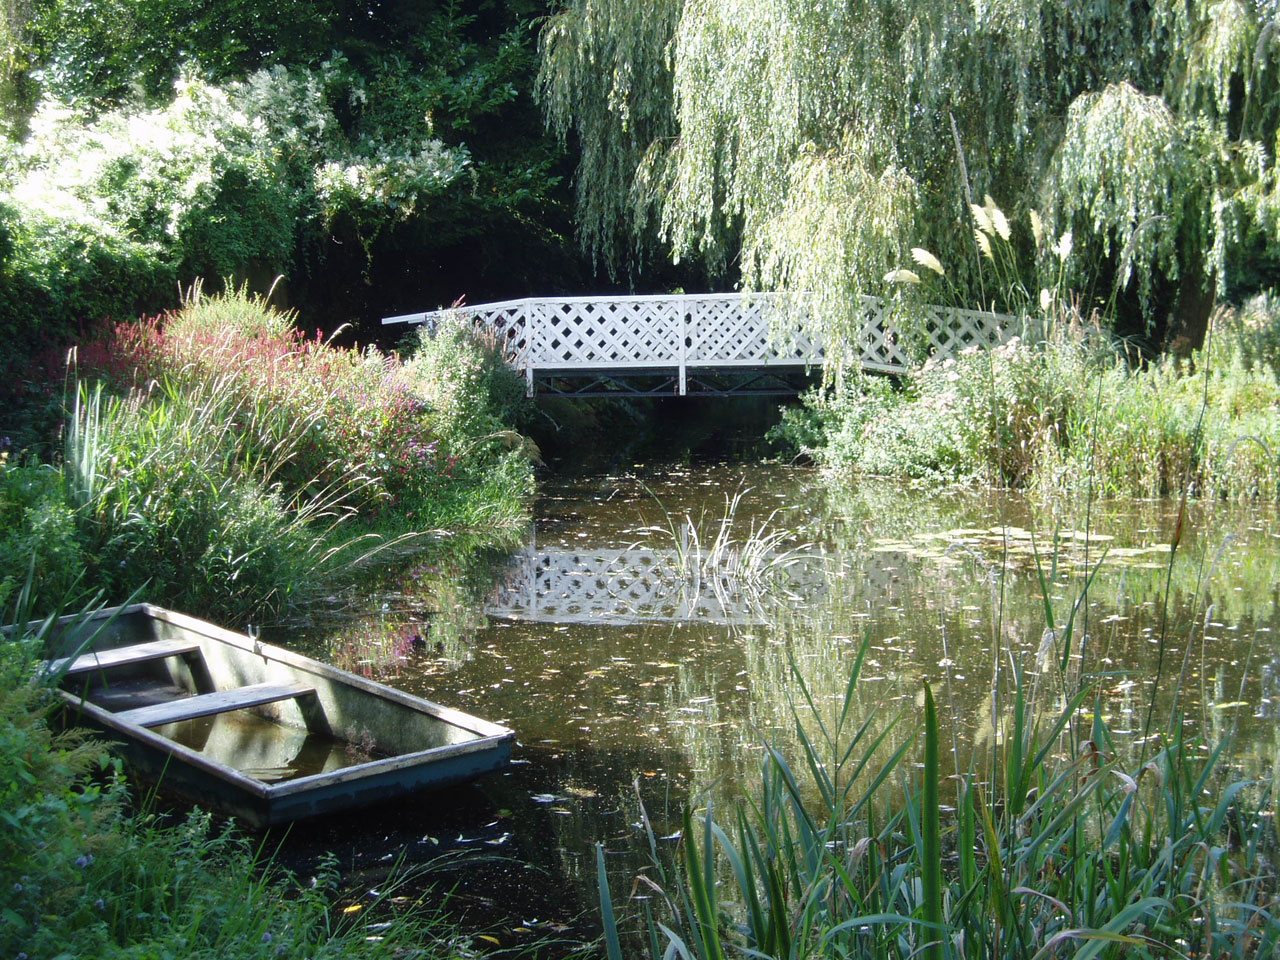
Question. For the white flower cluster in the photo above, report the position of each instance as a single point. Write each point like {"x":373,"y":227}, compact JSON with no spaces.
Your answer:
{"x":141,"y":172}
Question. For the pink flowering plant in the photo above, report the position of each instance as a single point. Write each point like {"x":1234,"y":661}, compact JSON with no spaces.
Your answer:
{"x":362,"y":420}
{"x":222,"y":454}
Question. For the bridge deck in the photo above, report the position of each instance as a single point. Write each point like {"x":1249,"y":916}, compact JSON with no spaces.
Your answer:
{"x":682,"y":337}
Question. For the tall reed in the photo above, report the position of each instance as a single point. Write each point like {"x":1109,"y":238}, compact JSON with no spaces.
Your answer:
{"x":178,"y":490}
{"x":1063,"y":854}
{"x":729,"y":562}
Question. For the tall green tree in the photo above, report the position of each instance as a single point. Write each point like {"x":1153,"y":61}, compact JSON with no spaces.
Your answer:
{"x":384,"y":156}
{"x":808,"y":145}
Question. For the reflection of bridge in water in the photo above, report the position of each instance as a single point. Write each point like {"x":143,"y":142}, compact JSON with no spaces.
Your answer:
{"x":637,"y":585}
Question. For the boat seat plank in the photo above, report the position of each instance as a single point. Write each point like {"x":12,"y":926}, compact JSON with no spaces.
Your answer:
{"x":121,"y":656}
{"x":205,"y":704}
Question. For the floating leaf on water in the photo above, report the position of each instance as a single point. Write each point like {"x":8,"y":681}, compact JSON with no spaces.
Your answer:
{"x":1011,"y":533}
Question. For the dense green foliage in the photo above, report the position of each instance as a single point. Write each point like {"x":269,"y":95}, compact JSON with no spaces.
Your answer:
{"x":364,"y":154}
{"x":1066,"y":414}
{"x":243,"y":178}
{"x":812,"y":145}
{"x":222,"y":461}
{"x":85,"y":877}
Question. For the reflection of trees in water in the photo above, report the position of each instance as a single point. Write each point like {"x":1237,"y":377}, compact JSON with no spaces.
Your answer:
{"x":432,"y":608}
{"x":973,"y":627}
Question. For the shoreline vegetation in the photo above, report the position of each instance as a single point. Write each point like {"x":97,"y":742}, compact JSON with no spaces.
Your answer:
{"x":218,"y":459}
{"x":1071,"y":413}
{"x":221,"y":459}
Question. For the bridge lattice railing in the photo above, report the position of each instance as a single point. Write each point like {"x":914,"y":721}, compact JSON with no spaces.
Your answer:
{"x":632,"y":333}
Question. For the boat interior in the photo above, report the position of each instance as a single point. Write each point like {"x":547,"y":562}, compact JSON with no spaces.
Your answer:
{"x":244,"y":704}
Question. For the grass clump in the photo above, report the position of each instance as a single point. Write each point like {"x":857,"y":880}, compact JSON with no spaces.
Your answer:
{"x":224,"y":461}
{"x":84,"y":876}
{"x":1059,"y":413}
{"x":460,"y":371}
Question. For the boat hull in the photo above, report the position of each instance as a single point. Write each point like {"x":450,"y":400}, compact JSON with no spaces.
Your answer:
{"x":313,"y":739}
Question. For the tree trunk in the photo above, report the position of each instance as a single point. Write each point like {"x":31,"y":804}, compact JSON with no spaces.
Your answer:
{"x":1189,"y":322}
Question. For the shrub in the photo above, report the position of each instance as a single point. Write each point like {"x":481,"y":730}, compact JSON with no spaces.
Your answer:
{"x":461,"y":369}
{"x":1066,"y":413}
{"x":321,"y":415}
{"x":477,"y":402}
{"x":59,"y":272}
{"x":221,"y":448}
{"x":38,"y":532}
{"x":1251,"y":331}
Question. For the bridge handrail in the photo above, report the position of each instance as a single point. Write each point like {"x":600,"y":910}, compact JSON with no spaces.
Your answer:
{"x":497,"y":305}
{"x":681,"y":331}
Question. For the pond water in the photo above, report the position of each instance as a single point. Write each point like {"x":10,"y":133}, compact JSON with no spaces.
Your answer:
{"x":656,"y":628}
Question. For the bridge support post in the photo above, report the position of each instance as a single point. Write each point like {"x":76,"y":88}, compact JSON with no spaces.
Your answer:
{"x":684,"y":349}
{"x":533,"y":338}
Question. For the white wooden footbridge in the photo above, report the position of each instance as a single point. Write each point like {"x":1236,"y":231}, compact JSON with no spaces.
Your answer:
{"x":695,"y":344}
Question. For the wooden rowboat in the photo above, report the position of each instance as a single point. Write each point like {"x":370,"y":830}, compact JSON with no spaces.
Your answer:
{"x":256,"y":731}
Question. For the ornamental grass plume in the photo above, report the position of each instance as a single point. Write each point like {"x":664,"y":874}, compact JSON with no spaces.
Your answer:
{"x":927,"y":260}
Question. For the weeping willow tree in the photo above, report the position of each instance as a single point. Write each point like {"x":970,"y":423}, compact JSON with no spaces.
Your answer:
{"x":16,"y":88}
{"x":809,"y":145}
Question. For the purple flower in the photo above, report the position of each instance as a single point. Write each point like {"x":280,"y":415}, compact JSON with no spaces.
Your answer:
{"x":84,"y":860}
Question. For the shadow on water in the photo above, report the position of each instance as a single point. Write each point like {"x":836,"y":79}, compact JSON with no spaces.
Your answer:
{"x":644,"y":654}
{"x":595,"y":437}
